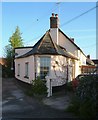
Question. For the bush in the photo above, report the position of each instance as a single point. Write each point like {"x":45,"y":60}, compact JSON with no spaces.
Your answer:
{"x":39,"y":87}
{"x":69,"y":86}
{"x":86,"y":95}
{"x":7,"y":72}
{"x":87,"y":88}
{"x":74,"y":106}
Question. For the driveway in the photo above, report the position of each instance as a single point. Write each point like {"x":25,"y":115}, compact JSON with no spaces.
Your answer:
{"x":16,"y":104}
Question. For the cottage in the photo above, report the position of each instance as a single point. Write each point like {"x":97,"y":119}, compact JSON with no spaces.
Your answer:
{"x":55,"y":55}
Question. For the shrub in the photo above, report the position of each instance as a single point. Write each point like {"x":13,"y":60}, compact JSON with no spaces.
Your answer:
{"x":69,"y":86}
{"x":39,"y":87}
{"x":86,"y":95}
{"x":7,"y":72}
{"x":75,"y":83}
{"x":87,"y":88}
{"x":74,"y":106}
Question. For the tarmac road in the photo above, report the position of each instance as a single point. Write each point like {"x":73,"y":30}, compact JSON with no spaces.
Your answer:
{"x":16,"y":104}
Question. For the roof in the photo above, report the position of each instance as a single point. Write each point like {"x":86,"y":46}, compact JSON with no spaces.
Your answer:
{"x":46,"y":46}
{"x":24,"y":47}
{"x":71,"y":41}
{"x":95,"y":61}
{"x":89,"y":61}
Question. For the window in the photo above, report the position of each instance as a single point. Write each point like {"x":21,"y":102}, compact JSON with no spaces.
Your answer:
{"x":27,"y":70}
{"x":44,"y":66}
{"x":18,"y":70}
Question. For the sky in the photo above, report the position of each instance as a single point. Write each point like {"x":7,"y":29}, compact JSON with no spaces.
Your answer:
{"x":33,"y":19}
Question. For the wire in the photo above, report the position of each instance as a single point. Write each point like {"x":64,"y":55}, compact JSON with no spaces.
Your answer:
{"x":67,"y":21}
{"x":78,"y":16}
{"x":33,"y":39}
{"x":43,"y":27}
{"x":39,"y":19}
{"x":42,"y":17}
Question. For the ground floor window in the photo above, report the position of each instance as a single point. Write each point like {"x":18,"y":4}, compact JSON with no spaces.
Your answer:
{"x":27,"y":69}
{"x":18,"y":72}
{"x":44,"y":66}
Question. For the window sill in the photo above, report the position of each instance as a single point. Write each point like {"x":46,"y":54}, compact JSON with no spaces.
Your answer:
{"x":26,"y":77}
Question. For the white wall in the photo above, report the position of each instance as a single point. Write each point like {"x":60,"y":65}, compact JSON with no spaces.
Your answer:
{"x":22,"y":62}
{"x":82,"y":58}
{"x":59,"y":68}
{"x":79,"y":63}
{"x":21,"y":51}
{"x":58,"y":74}
{"x":54,"y":34}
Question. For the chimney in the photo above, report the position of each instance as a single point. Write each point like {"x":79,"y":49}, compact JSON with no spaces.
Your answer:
{"x":72,"y":39}
{"x":88,"y":56}
{"x":54,"y":22}
{"x":54,"y":28}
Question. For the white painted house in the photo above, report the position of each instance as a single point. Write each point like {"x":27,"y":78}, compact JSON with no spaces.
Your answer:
{"x":55,"y":55}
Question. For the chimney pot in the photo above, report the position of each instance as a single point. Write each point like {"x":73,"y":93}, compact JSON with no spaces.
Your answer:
{"x":88,"y":56}
{"x":72,"y":39}
{"x":56,"y":15}
{"x":52,"y":14}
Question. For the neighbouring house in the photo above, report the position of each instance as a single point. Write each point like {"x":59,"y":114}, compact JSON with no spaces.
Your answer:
{"x":95,"y":61}
{"x":90,"y":66}
{"x":3,"y":61}
{"x":3,"y":65}
{"x":96,"y":64}
{"x":55,"y":55}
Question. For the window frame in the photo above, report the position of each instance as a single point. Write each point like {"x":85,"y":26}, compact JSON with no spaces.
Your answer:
{"x":18,"y":70}
{"x":45,"y":63}
{"x":26,"y":70}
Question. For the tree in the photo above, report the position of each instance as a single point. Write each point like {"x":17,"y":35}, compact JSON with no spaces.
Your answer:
{"x":14,"y":41}
{"x":8,"y":54}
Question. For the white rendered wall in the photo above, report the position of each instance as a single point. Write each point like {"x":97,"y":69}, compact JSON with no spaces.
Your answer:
{"x":54,"y":34}
{"x":22,"y":62}
{"x":82,"y":58}
{"x":58,"y":69}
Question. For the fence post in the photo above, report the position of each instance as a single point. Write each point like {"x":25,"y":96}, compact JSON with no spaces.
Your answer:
{"x":49,"y":86}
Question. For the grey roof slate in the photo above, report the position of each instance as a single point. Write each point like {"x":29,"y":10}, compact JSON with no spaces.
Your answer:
{"x":46,"y":46}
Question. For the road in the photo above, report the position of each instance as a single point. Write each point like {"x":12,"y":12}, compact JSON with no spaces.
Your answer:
{"x":16,"y":104}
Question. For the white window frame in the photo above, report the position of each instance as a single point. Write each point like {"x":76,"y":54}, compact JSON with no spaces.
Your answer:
{"x":46,"y":64}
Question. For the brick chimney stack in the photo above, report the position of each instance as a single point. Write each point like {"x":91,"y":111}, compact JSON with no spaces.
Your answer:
{"x":54,"y":21}
{"x":54,"y":28}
